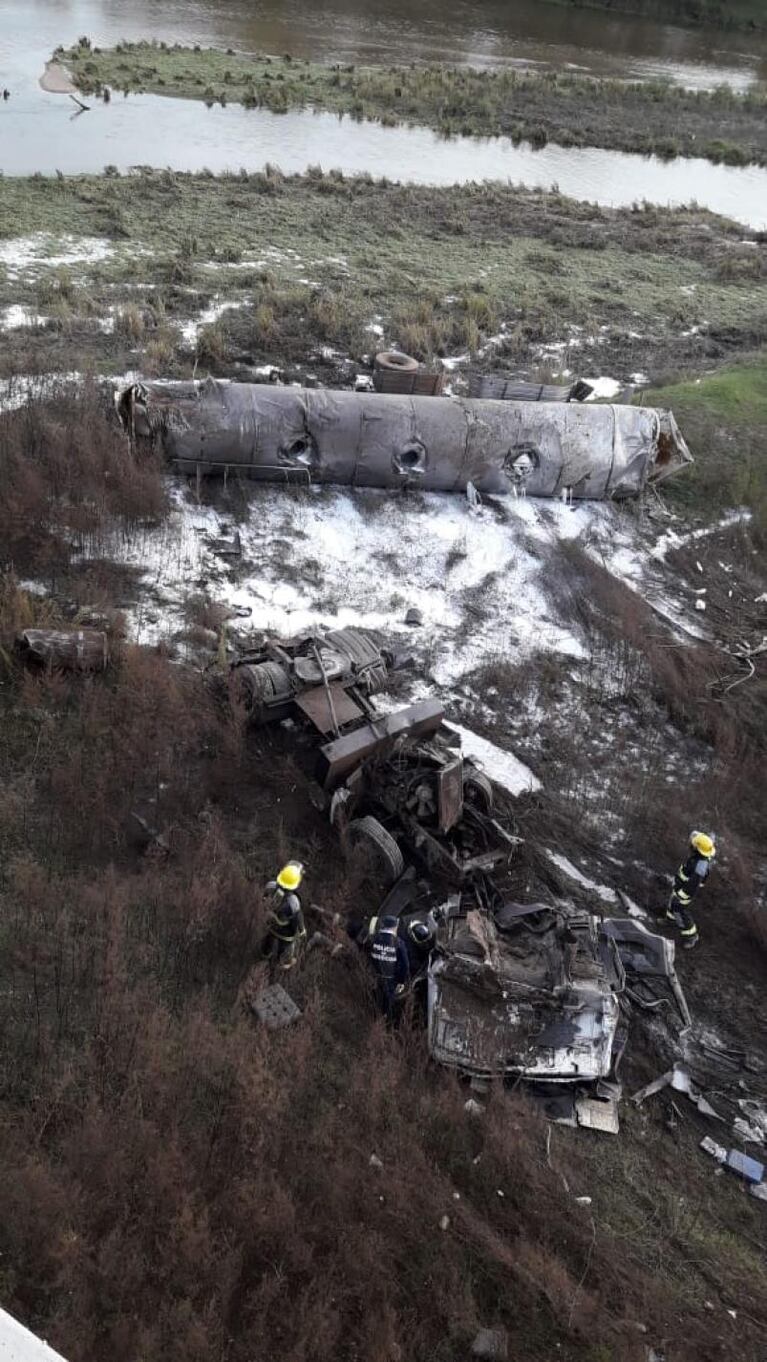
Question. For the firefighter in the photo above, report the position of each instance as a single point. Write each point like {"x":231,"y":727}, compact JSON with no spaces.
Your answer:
{"x":687,"y":881}
{"x":285,"y":926}
{"x":389,"y":959}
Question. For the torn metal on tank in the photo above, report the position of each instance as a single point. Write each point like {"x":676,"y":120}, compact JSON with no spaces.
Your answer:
{"x":278,"y":434}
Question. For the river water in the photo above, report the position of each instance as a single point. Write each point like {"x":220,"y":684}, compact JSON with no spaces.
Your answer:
{"x":38,"y":132}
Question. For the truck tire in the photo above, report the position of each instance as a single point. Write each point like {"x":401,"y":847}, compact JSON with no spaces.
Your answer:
{"x":478,"y":790}
{"x":393,"y":359}
{"x":368,"y":835}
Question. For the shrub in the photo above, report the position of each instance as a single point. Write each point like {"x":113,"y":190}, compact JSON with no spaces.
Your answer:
{"x":68,"y":479}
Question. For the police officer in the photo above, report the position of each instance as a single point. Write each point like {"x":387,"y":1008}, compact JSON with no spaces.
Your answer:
{"x":687,"y":881}
{"x":388,"y":957}
{"x":285,"y":925}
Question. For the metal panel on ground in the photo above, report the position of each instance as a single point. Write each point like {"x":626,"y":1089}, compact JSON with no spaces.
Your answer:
{"x":328,"y":715}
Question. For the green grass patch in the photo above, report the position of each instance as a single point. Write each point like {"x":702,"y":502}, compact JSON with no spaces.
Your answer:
{"x":312,"y":260}
{"x":734,"y":397}
{"x":724,"y":418}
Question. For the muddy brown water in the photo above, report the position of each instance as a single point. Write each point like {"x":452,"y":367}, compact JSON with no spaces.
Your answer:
{"x":480,"y":32}
{"x":38,"y":131}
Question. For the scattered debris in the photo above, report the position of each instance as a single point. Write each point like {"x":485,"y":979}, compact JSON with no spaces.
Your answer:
{"x":226,"y":548}
{"x":597,"y":1115}
{"x":397,"y":373}
{"x":717,"y":1151}
{"x":752,"y":1125}
{"x":504,"y":388}
{"x":740,"y":1163}
{"x":146,"y":836}
{"x":492,"y":1344}
{"x":648,"y":959}
{"x":274,"y":1007}
{"x":746,"y":1167}
{"x":65,"y":649}
{"x":472,"y":496}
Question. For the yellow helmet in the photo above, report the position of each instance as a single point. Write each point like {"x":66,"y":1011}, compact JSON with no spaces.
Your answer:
{"x":291,"y":875}
{"x":703,"y":844}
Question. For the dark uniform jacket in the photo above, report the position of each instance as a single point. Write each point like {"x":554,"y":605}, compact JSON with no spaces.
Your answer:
{"x":286,"y":918}
{"x":419,"y":952}
{"x":690,"y":876}
{"x":388,"y":956}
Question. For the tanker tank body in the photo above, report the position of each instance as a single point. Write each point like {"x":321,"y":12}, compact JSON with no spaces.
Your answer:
{"x":585,"y":451}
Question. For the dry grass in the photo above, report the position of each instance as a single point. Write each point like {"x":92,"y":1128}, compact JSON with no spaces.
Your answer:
{"x":179,"y":1184}
{"x":172,"y":1173}
{"x":69,"y":480}
{"x":635,"y":659}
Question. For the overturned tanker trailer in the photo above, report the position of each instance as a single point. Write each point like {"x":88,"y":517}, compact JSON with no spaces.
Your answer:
{"x":276,"y":434}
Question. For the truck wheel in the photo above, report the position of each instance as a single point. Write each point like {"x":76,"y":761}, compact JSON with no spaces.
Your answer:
{"x":394,"y":359}
{"x":370,"y":837}
{"x":478,"y":790}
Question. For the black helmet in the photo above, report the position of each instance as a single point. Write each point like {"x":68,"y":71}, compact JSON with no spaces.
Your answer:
{"x":388,"y":924}
{"x":420,"y":932}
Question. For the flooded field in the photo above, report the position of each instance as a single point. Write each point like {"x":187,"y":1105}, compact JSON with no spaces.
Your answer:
{"x":124,"y":133}
{"x":40,"y":131}
{"x":482,"y":34}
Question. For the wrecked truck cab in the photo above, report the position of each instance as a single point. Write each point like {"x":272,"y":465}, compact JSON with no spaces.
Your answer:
{"x":536,"y":992}
{"x":536,"y":999}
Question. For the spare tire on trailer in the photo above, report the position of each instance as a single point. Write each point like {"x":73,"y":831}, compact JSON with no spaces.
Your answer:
{"x":369,"y":836}
{"x":478,"y":789}
{"x":394,"y":359}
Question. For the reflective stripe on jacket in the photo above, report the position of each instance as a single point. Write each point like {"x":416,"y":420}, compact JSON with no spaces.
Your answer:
{"x":690,"y":876}
{"x":286,"y":918}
